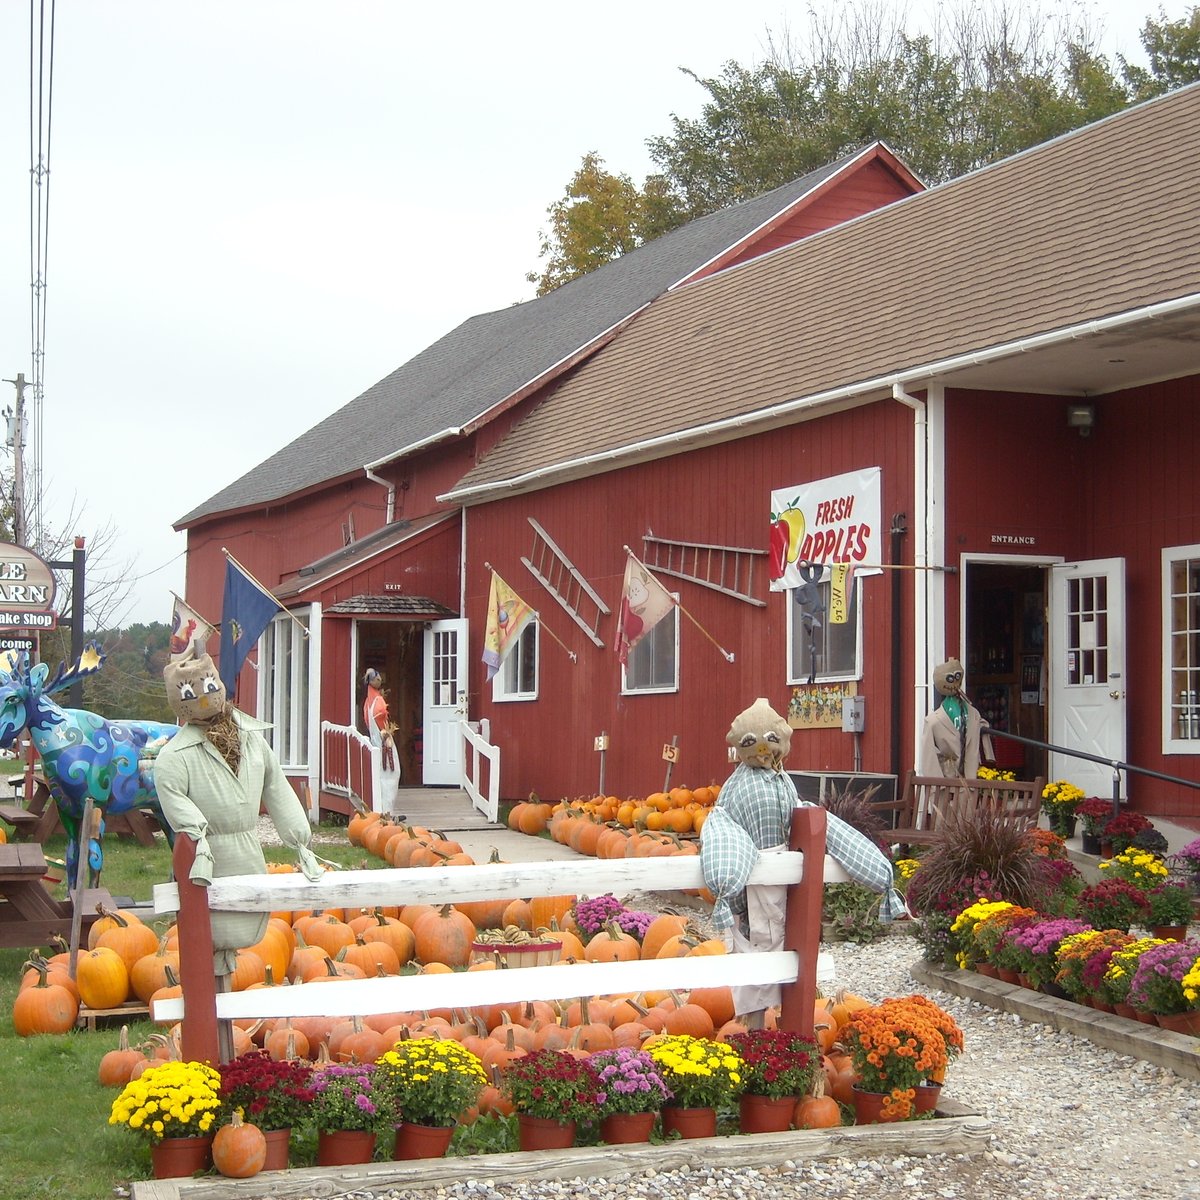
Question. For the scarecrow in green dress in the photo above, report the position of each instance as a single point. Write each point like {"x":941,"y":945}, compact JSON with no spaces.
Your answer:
{"x":212,"y":777}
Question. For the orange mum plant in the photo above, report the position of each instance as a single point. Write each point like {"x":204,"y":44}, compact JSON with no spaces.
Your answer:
{"x":899,"y":1044}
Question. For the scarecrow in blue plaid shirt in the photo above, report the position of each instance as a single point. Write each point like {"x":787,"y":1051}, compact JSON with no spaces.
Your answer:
{"x":753,"y":815}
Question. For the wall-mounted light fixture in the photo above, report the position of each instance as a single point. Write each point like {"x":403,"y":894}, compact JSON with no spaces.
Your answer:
{"x":1081,"y":417}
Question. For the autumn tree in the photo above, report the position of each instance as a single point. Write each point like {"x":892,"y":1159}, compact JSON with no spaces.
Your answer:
{"x":983,"y":85}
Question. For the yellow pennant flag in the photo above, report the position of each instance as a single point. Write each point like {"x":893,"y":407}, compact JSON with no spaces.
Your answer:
{"x":841,"y":581}
{"x":507,"y":616}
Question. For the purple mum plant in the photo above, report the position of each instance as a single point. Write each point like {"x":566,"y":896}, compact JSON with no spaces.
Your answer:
{"x":1038,"y":943}
{"x":630,"y":1081}
{"x":1157,"y":985}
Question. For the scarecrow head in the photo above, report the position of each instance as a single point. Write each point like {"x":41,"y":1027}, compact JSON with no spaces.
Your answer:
{"x":948,"y":678}
{"x":760,"y":736}
{"x":194,"y":688}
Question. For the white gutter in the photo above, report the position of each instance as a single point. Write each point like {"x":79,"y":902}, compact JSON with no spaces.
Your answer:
{"x":906,"y":378}
{"x":434,"y":438}
{"x":391,"y":491}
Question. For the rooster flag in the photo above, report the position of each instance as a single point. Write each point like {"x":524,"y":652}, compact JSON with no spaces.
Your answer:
{"x":187,"y":626}
{"x":246,"y":610}
{"x":644,"y":602}
{"x":507,"y":616}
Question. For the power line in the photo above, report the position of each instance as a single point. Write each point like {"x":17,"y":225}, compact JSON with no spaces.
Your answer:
{"x":41,"y":104}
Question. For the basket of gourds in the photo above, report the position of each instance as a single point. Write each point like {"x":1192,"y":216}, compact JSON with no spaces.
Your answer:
{"x":513,"y":946}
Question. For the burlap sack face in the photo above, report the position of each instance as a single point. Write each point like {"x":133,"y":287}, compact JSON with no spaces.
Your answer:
{"x":194,"y":689}
{"x":948,"y":677}
{"x":761,"y":737}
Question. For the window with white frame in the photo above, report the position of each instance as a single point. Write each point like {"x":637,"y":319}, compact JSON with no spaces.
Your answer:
{"x":653,"y":664}
{"x":283,"y":676}
{"x":817,"y":649}
{"x":517,"y":678}
{"x":1181,"y":649}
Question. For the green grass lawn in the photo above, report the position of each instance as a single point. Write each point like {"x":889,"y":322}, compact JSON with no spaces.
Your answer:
{"x":55,"y":1140}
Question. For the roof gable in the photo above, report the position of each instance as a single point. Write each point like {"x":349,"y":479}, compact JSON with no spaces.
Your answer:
{"x":455,"y":384}
{"x":1100,"y":221}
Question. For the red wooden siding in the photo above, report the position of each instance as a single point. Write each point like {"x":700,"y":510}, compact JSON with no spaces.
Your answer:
{"x":869,"y":188}
{"x":719,"y":495}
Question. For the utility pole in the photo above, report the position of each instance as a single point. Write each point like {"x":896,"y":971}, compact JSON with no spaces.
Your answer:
{"x":16,"y":443}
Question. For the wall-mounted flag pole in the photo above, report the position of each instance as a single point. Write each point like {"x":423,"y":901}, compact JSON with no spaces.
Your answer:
{"x":507,"y":616}
{"x":644,"y":602}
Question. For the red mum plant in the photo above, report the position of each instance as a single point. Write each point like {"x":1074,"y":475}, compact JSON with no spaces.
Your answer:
{"x":553,"y":1085}
{"x":270,"y":1094}
{"x":776,"y":1062}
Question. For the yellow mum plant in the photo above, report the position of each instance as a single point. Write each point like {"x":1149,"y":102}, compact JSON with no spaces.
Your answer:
{"x":701,"y":1072}
{"x":430,"y":1080}
{"x":174,"y":1100}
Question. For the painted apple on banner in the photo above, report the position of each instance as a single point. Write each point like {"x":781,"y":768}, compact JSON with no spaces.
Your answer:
{"x":823,"y":522}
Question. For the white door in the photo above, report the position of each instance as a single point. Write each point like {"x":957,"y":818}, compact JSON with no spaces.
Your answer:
{"x":1087,"y":670}
{"x":445,"y":700}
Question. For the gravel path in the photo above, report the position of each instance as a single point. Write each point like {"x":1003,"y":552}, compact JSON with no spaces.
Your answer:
{"x":1070,"y":1121}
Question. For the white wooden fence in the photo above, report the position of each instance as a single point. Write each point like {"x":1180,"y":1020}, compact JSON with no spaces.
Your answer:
{"x":351,"y":766}
{"x":201,"y":1006}
{"x":478,"y":751}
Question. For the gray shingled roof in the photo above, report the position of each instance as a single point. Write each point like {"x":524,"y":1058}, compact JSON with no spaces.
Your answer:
{"x":492,"y":356}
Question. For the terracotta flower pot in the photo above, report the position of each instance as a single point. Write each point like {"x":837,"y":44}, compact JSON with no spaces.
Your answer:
{"x":1184,"y":1022}
{"x":868,"y":1108}
{"x":987,"y":969}
{"x":1008,"y":975}
{"x":690,"y":1122}
{"x":543,"y":1133}
{"x":622,"y":1129}
{"x":1169,"y":933}
{"x":765,"y":1114}
{"x":341,"y":1147}
{"x":278,"y":1143}
{"x":928,"y":1095}
{"x":180,"y":1158}
{"x":421,"y":1141}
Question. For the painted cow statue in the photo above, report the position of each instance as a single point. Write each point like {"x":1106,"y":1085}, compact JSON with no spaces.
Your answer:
{"x":83,"y":755}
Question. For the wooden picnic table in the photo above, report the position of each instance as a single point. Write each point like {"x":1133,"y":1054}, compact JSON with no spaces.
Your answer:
{"x":38,"y":821}
{"x":29,"y":915}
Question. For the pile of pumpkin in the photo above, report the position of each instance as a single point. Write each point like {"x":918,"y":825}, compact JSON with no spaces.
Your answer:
{"x":609,"y":827}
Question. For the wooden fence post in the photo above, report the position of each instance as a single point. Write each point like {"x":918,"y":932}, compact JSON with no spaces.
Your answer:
{"x":198,"y":1041}
{"x":802,"y":920}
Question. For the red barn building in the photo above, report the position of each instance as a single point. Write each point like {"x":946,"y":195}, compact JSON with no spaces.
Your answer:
{"x":987,"y":390}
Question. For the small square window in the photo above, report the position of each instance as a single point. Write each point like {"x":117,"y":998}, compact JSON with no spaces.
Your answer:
{"x":818,"y":649}
{"x":517,"y":678}
{"x":653,"y":664}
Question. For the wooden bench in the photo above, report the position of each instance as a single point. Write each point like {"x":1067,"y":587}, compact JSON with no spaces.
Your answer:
{"x":913,"y":819}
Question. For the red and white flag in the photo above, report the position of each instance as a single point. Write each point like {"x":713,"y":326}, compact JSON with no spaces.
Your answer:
{"x":187,"y":626}
{"x":644,"y":602}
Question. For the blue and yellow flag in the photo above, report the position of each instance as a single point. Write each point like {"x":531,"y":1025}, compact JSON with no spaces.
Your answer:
{"x":246,"y":610}
{"x":507,"y":616}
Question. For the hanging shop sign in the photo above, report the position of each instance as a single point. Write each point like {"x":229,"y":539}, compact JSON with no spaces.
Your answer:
{"x":27,"y":590}
{"x":823,"y":522}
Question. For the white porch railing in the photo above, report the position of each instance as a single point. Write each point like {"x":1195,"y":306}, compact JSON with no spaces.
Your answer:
{"x":351,"y":766}
{"x":476,"y":751}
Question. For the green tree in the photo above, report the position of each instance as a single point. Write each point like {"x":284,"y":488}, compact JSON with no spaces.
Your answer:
{"x":984,"y":84}
{"x":601,"y":217}
{"x":1173,"y":48}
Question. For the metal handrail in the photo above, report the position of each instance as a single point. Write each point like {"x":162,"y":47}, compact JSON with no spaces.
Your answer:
{"x":1117,"y":764}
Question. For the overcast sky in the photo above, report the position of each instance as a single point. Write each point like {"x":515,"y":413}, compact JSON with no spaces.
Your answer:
{"x":259,"y":209}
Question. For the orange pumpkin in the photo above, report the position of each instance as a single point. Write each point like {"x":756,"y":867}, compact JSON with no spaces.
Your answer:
{"x":239,"y":1150}
{"x":117,"y":1065}
{"x":44,"y":1008}
{"x":444,"y":936}
{"x":817,"y":1110}
{"x":102,"y":978}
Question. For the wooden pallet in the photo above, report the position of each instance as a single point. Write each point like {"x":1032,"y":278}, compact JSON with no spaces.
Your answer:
{"x":131,"y":1010}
